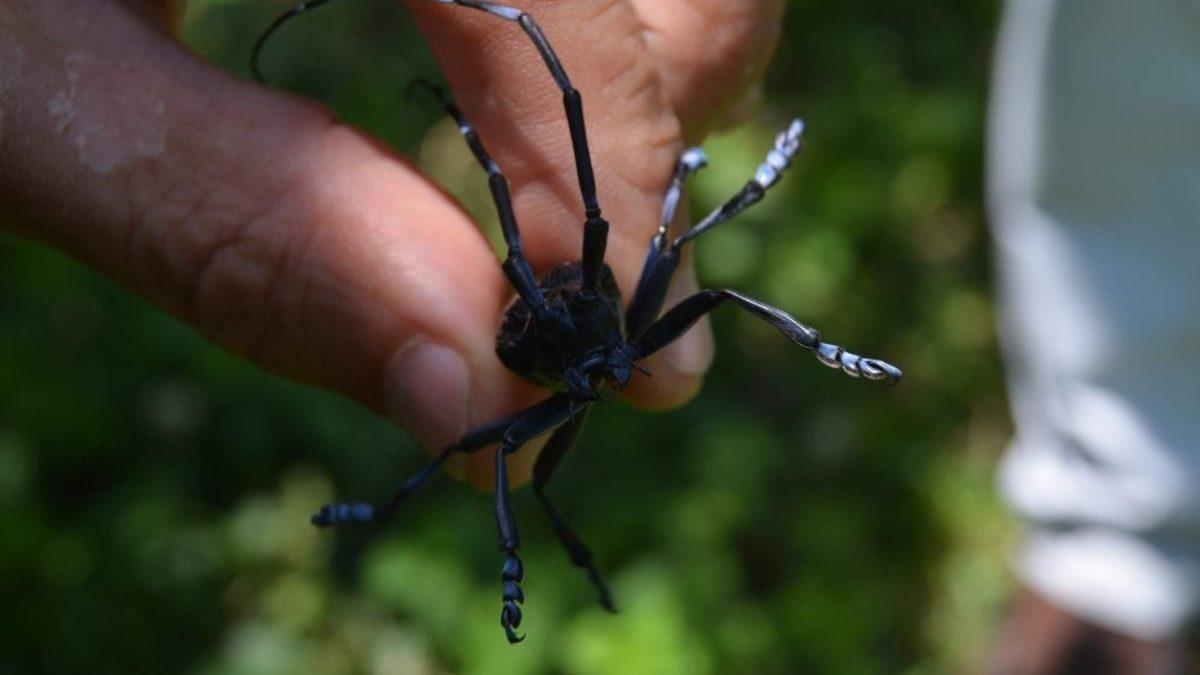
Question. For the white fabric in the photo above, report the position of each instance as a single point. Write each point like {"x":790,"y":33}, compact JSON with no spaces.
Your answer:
{"x":1094,"y":190}
{"x":1117,"y":580}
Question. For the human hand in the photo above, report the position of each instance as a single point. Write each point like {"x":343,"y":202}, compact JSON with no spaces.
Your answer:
{"x":306,"y":247}
{"x":1038,"y":637}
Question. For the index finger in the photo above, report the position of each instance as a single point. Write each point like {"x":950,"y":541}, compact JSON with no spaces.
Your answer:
{"x":504,"y":87}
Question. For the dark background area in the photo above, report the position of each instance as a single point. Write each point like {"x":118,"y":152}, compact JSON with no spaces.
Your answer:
{"x":155,"y":491}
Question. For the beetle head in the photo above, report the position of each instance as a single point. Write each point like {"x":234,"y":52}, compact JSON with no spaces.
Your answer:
{"x":602,"y":374}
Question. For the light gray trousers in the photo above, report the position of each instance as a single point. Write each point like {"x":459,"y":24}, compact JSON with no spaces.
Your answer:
{"x":1094,"y":191}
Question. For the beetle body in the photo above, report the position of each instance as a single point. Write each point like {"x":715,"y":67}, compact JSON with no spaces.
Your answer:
{"x":565,"y":330}
{"x":576,"y":343}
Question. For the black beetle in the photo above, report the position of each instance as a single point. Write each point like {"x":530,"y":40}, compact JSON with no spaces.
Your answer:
{"x":565,"y":329}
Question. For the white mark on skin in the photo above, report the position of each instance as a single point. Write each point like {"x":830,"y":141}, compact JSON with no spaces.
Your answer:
{"x":60,"y":108}
{"x":153,"y":144}
{"x":106,"y":121}
{"x":62,"y":105}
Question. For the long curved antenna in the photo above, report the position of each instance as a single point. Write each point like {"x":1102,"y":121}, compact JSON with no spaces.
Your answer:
{"x":282,"y":19}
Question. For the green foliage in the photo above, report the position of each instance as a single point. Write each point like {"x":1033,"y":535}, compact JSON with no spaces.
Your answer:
{"x":156,"y":491}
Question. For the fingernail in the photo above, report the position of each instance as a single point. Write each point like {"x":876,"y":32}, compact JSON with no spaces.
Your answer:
{"x":429,"y":392}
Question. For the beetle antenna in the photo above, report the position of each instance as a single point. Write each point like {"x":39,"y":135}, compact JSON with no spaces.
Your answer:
{"x":421,"y":83}
{"x":279,"y":21}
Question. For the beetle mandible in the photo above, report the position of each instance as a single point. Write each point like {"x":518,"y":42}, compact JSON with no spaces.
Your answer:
{"x":565,"y":329}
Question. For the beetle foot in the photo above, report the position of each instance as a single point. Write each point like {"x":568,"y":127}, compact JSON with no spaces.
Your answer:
{"x":855,"y":365}
{"x":510,"y":614}
{"x":341,"y":514}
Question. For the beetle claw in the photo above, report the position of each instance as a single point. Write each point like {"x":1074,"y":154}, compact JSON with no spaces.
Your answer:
{"x":510,"y":614}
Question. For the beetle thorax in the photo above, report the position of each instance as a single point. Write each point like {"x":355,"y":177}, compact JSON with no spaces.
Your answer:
{"x":575,"y":343}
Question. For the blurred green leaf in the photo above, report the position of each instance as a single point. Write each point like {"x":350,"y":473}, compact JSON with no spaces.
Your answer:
{"x":157,"y":491}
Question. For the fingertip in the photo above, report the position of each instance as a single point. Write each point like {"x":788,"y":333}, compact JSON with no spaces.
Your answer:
{"x":428,"y":392}
{"x":648,"y":393}
{"x":676,"y":373}
{"x":480,"y":468}
{"x":691,"y":355}
{"x":708,"y":80}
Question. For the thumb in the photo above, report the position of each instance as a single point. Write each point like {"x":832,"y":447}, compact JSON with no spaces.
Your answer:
{"x":280,"y":235}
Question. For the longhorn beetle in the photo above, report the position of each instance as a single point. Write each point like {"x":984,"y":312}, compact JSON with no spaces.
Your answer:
{"x":565,"y":329}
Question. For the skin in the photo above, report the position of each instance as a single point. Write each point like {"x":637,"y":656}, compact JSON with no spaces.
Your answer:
{"x":307,"y":247}
{"x":1040,"y":638}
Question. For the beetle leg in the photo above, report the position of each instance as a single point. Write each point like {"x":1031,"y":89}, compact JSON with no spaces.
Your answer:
{"x":691,"y":161}
{"x":516,"y":267}
{"x":472,"y":441}
{"x":662,"y":259}
{"x":682,"y":316}
{"x":559,"y":445}
{"x":595,"y":229}
{"x":787,"y":143}
{"x":537,"y":421}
